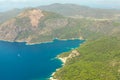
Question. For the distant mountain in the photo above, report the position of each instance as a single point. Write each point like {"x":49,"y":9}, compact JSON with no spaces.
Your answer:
{"x":9,"y":14}
{"x":97,"y":59}
{"x":33,"y":25}
{"x":80,"y":11}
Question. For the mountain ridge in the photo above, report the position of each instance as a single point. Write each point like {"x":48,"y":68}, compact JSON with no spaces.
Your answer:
{"x":33,"y":25}
{"x":79,"y":11}
{"x":98,"y":57}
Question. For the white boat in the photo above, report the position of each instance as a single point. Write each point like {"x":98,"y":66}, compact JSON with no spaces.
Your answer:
{"x":18,"y":55}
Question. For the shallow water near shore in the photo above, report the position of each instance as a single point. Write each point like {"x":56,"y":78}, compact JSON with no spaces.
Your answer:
{"x":19,"y":61}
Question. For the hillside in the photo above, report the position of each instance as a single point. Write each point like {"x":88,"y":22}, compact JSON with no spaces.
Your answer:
{"x":77,"y":11}
{"x":9,"y":14}
{"x":36,"y":26}
{"x":69,"y":10}
{"x":97,"y":60}
{"x":98,"y":57}
{"x":31,"y":25}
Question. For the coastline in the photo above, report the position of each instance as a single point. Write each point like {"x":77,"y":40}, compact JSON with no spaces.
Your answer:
{"x":28,"y":43}
{"x":51,"y":78}
{"x":34,"y":43}
{"x":63,"y":63}
{"x":72,"y":54}
{"x":62,"y":59}
{"x":52,"y":75}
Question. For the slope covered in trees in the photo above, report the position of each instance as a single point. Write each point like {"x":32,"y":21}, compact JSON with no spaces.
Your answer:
{"x":98,"y":60}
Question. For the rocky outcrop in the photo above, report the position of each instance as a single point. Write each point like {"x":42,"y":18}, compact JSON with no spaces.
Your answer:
{"x":73,"y":54}
{"x":34,"y":15}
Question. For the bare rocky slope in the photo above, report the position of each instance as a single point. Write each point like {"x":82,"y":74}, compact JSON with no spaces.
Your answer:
{"x":31,"y":25}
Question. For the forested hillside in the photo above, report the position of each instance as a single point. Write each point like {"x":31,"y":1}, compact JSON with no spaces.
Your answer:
{"x":98,"y":60}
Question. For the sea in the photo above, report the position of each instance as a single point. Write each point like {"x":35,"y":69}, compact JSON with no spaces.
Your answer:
{"x":19,"y":61}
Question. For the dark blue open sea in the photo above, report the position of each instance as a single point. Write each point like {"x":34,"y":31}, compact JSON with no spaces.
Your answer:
{"x":19,"y":61}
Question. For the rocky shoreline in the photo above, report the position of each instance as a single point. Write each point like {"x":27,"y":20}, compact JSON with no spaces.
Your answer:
{"x":28,"y":43}
{"x":73,"y":54}
{"x":50,"y":41}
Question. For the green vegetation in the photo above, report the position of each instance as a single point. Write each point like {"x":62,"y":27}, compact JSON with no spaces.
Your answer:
{"x":99,"y":57}
{"x":116,"y":24}
{"x":98,"y":60}
{"x":80,"y":11}
{"x":9,"y":14}
{"x":53,"y":25}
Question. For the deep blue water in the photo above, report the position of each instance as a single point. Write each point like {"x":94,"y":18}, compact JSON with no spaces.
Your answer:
{"x":32,"y":62}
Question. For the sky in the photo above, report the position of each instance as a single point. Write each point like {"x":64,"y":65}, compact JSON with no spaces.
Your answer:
{"x":11,"y":4}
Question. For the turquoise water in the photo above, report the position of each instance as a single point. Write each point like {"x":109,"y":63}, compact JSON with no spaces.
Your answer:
{"x":32,"y":62}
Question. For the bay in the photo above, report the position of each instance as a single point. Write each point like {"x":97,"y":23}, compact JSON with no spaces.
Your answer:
{"x":19,"y":61}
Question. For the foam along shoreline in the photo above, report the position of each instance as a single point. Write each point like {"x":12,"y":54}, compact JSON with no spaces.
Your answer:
{"x":73,"y":54}
{"x":51,"y":78}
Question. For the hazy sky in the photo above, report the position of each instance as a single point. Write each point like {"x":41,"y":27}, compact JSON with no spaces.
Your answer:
{"x":10,"y":4}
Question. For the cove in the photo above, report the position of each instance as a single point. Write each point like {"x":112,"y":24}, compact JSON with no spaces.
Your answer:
{"x":19,"y":61}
